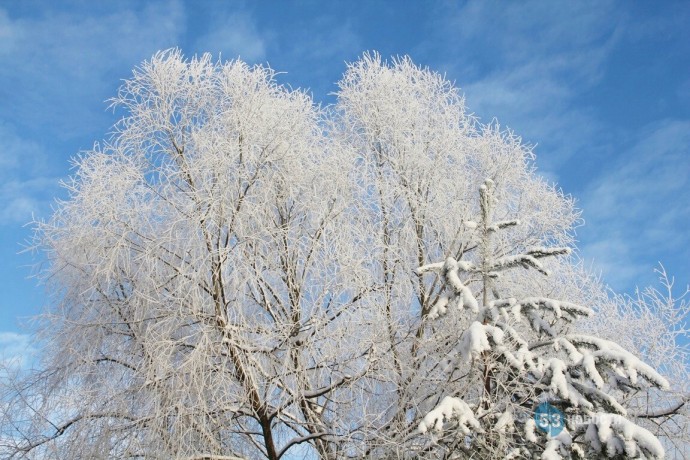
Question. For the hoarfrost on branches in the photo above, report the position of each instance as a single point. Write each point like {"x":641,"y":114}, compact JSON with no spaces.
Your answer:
{"x":234,"y":277}
{"x":521,"y":367}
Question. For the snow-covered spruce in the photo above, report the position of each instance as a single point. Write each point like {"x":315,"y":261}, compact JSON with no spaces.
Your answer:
{"x":521,"y":355}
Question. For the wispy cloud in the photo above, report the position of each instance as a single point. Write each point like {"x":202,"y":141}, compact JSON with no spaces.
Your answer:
{"x":641,"y":207}
{"x":16,"y":349}
{"x":54,"y":61}
{"x":311,"y":52}
{"x":25,"y":200}
{"x":26,"y":185}
{"x":543,"y":69}
{"x":9,"y":33}
{"x":15,"y":151}
{"x":233,"y":34}
{"x":327,"y":37}
{"x":530,"y":63}
{"x":59,"y":66}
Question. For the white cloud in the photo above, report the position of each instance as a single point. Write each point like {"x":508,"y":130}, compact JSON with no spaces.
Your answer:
{"x":530,"y":63}
{"x":25,"y":200}
{"x":57,"y":60}
{"x":531,"y":68}
{"x":82,"y":46}
{"x":314,"y":53}
{"x":641,"y":207}
{"x":8,"y":33}
{"x":59,"y":65}
{"x":525,"y":31}
{"x":18,"y":154}
{"x":234,"y":35}
{"x":16,"y":349}
{"x":326,"y":38}
{"x":26,"y":187}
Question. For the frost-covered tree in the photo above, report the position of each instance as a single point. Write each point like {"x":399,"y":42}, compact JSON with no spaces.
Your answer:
{"x":655,"y":324}
{"x":420,"y":160}
{"x":520,"y":354}
{"x":203,"y":284}
{"x":233,"y":277}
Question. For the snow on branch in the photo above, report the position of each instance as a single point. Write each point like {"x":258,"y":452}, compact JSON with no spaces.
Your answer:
{"x":607,"y":353}
{"x":448,"y":409}
{"x":503,"y":224}
{"x":435,"y":267}
{"x":440,"y":308}
{"x":449,"y":263}
{"x":506,"y":422}
{"x":541,"y":252}
{"x":557,"y":375}
{"x":527,"y":260}
{"x":529,"y":308}
{"x":522,"y":356}
{"x":479,"y":338}
{"x":557,"y":446}
{"x":614,"y":435}
{"x":475,"y":340}
{"x":461,"y":294}
{"x":558,"y":307}
{"x":524,"y":260}
{"x":600,"y":398}
{"x":539,"y":325}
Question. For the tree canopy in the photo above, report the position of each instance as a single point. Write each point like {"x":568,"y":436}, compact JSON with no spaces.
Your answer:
{"x":241,"y":273}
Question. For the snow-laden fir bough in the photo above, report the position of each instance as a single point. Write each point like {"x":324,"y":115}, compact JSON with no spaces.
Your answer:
{"x":522,"y":360}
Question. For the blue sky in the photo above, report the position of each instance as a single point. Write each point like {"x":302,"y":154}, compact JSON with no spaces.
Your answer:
{"x":602,"y":88}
